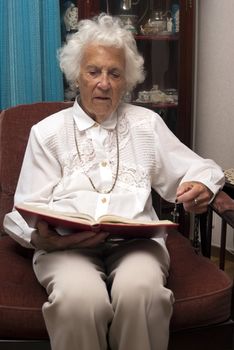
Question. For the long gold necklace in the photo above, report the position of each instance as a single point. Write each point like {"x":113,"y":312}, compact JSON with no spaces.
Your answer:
{"x":82,"y":163}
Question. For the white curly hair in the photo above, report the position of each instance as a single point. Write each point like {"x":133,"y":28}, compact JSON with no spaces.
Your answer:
{"x":108,"y":31}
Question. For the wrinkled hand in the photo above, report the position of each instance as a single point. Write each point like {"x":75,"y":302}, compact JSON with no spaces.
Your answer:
{"x":195,"y":196}
{"x":49,"y":240}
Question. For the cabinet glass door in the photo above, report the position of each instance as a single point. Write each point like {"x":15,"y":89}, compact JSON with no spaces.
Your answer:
{"x":159,"y":91}
{"x":164,"y":33}
{"x":69,"y":14}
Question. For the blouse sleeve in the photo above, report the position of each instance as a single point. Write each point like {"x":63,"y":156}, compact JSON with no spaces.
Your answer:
{"x":39,"y":174}
{"x":176,"y":163}
{"x":40,"y":171}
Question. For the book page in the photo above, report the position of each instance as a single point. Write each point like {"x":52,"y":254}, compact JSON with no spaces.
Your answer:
{"x":28,"y":208}
{"x":122,"y":220}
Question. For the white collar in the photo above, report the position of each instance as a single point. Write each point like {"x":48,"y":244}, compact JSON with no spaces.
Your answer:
{"x":84,"y":121}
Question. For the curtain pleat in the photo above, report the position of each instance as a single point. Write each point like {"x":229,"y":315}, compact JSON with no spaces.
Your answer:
{"x":29,"y":38}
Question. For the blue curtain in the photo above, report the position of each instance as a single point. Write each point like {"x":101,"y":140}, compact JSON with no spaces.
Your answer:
{"x":30,"y":34}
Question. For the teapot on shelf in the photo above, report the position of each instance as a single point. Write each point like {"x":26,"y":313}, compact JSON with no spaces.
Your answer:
{"x":159,"y":22}
{"x":155,"y":24}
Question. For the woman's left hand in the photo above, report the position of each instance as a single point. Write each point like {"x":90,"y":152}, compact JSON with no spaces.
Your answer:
{"x":195,"y":196}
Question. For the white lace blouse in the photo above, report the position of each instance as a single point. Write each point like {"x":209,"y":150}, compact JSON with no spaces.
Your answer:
{"x":150,"y":155}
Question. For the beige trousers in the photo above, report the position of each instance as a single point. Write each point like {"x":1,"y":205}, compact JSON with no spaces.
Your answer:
{"x":113,"y":294}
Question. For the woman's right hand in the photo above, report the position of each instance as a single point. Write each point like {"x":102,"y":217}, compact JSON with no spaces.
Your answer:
{"x":49,"y":240}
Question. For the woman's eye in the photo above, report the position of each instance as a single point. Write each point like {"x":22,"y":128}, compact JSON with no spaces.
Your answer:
{"x":93,"y":73}
{"x":115,"y":74}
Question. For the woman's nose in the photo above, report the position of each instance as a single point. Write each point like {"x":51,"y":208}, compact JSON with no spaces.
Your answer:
{"x":104,"y":82}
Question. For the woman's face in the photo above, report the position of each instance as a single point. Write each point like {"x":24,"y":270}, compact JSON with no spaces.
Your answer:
{"x":101,"y":80}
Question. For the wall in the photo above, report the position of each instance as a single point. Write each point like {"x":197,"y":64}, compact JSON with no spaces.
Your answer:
{"x":214,"y":90}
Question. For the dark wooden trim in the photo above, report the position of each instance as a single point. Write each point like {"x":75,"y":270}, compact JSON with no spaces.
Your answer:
{"x":88,"y":8}
{"x":11,"y":344}
{"x":213,"y":337}
{"x":206,"y":232}
{"x":186,"y":73}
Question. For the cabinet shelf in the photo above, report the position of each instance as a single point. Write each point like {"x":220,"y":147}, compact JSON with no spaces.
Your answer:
{"x":158,"y":37}
{"x":152,"y":105}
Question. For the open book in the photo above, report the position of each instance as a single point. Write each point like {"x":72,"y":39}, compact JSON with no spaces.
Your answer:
{"x":117,"y":226}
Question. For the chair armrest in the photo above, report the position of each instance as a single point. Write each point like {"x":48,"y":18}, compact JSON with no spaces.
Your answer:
{"x":223,"y":205}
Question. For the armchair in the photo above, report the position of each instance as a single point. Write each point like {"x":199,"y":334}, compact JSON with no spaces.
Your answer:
{"x":202,"y":316}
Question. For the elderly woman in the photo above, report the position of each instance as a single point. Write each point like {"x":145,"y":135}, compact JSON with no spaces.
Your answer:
{"x":104,"y":156}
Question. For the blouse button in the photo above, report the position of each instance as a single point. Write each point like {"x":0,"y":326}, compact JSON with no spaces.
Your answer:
{"x":104,"y":163}
{"x":103,"y":200}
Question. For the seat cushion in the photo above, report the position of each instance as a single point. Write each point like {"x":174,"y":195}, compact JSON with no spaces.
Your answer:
{"x":202,"y":291}
{"x":21,"y":296}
